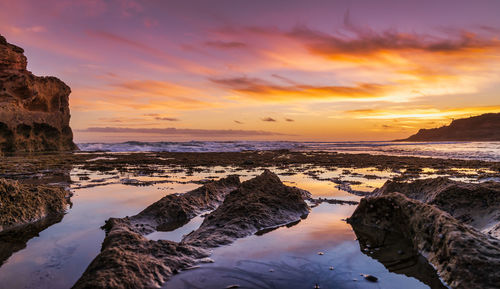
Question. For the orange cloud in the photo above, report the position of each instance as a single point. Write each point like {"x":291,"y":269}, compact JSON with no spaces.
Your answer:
{"x":426,"y":113}
{"x":141,"y":94}
{"x":266,"y":91}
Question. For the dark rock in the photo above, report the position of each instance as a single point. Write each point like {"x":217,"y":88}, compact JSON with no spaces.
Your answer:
{"x":21,"y":204}
{"x":129,"y":260}
{"x":444,"y":240}
{"x":258,"y":203}
{"x":176,"y":210}
{"x":370,"y":278}
{"x":475,"y":204}
{"x":485,"y":127}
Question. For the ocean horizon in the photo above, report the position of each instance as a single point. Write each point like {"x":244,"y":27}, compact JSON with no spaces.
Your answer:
{"x":466,"y":150}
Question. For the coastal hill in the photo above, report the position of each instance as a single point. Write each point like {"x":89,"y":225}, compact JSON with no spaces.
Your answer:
{"x":34,"y":111}
{"x":485,"y":127}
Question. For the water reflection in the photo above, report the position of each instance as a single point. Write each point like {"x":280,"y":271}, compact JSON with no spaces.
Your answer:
{"x":288,"y":258}
{"x":57,"y":256}
{"x":14,"y":240}
{"x":397,"y":254}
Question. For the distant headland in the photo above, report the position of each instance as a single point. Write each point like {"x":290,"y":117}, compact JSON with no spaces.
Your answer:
{"x":485,"y":127}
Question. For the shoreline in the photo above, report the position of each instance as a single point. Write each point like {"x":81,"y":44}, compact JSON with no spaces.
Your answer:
{"x":356,"y":175}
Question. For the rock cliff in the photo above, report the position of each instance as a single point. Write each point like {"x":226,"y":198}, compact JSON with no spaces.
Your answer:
{"x":34,"y":111}
{"x":484,"y":127}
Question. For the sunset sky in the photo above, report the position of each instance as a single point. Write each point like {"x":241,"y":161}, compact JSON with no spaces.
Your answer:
{"x":262,"y":70}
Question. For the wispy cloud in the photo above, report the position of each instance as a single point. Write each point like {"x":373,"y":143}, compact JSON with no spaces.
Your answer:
{"x":225,"y":44}
{"x":269,"y":119}
{"x":265,"y":90}
{"x":184,"y":132}
{"x":420,"y":112}
{"x":167,"y":118}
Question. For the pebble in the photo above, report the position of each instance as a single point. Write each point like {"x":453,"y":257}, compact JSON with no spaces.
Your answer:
{"x":316,"y":286}
{"x":233,"y":286}
{"x":369,"y":277}
{"x":207,"y":260}
{"x":331,"y":267}
{"x":271,"y":270}
{"x":321,"y":253}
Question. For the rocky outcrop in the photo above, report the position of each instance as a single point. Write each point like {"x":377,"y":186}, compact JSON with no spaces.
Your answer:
{"x":34,"y":111}
{"x":426,"y":212}
{"x":477,"y":205}
{"x":397,"y":254}
{"x":25,"y":211}
{"x":22,"y":204}
{"x":259,"y":203}
{"x":130,"y":260}
{"x":173,"y":211}
{"x":485,"y":127}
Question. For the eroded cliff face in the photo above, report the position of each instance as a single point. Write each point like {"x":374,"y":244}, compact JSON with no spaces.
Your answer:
{"x":34,"y":111}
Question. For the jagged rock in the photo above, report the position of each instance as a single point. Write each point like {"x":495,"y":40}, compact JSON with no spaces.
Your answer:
{"x":397,"y":254}
{"x":475,"y":204}
{"x":463,"y":256}
{"x":259,"y":203}
{"x":21,"y":204}
{"x":129,"y":260}
{"x":34,"y":111}
{"x":484,"y":127}
{"x":173,"y":211}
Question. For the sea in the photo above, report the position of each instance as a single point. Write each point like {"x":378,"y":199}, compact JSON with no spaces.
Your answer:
{"x":486,"y":151}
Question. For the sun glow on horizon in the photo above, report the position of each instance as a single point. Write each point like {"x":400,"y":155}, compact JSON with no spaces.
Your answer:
{"x":312,"y":72}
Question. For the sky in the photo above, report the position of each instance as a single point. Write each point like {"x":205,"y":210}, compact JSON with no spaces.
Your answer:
{"x":320,"y":70}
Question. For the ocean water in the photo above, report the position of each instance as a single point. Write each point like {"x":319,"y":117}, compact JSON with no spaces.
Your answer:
{"x":487,"y":151}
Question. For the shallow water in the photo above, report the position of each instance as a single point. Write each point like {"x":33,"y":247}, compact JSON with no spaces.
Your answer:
{"x":60,"y":254}
{"x":288,"y":258}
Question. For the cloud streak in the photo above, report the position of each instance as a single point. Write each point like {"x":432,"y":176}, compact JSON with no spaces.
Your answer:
{"x":181,"y":132}
{"x":264,"y":90}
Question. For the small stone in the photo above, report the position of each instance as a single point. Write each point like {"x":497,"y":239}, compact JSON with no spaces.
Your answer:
{"x":321,"y":253}
{"x":233,"y":286}
{"x":370,"y":278}
{"x":271,"y":270}
{"x":331,"y":267}
{"x":316,"y":286}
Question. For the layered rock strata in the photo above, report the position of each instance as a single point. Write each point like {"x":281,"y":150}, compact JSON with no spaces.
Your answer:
{"x":34,"y":111}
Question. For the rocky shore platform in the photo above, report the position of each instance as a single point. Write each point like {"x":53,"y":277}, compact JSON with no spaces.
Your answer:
{"x":419,"y":213}
{"x":453,"y":224}
{"x":129,"y":260}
